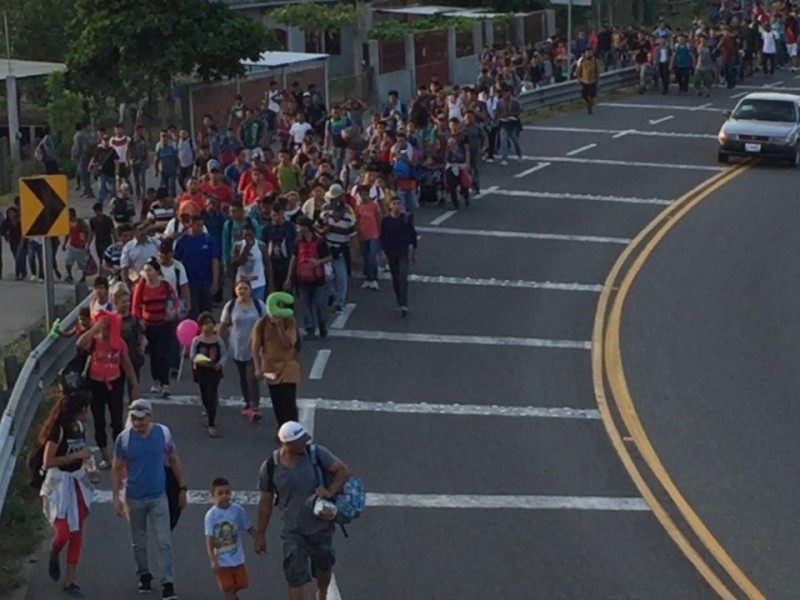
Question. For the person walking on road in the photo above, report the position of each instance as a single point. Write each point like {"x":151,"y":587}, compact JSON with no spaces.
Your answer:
{"x":200,"y":255}
{"x":397,"y":236}
{"x":237,"y":325}
{"x":208,"y":354}
{"x":67,"y":489}
{"x":146,"y":452}
{"x":287,"y":480}
{"x":307,"y":271}
{"x":275,"y":345}
{"x":587,"y":72}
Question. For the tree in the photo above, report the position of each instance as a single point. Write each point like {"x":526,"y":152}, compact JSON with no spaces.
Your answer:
{"x":133,"y":50}
{"x":37,"y":29}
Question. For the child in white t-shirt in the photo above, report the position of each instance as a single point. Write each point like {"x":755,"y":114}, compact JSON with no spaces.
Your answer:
{"x":225,"y":524}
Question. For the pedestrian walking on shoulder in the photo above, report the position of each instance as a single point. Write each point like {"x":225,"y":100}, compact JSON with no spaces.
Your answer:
{"x":67,"y":488}
{"x":147,"y":453}
{"x":290,"y":479}
{"x":397,"y":236}
{"x":225,"y":524}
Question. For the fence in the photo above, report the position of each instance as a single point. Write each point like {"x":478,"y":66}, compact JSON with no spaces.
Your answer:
{"x":39,"y":372}
{"x":567,"y":91}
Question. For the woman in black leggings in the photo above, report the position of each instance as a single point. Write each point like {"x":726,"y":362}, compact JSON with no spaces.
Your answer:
{"x":109,"y":365}
{"x":208,"y":355}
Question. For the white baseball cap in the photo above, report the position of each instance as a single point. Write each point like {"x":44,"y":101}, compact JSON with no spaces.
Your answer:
{"x":292,"y":431}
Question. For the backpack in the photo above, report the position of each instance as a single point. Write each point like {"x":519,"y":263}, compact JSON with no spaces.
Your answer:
{"x":36,"y":461}
{"x":306,"y":252}
{"x":350,"y":501}
{"x":72,"y":377}
{"x":228,"y":308}
{"x":401,"y":169}
{"x":173,"y":489}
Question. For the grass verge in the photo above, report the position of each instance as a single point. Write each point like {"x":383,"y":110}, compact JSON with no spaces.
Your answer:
{"x":534,"y":116}
{"x":22,"y":522}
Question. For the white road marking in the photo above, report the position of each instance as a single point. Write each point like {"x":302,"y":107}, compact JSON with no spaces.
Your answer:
{"x":446,"y":501}
{"x":341,"y":320}
{"x":739,"y":95}
{"x":432,"y":338}
{"x":308,"y":406}
{"x":661,"y":106}
{"x":527,"y":235}
{"x":775,"y":84}
{"x":581,"y":149}
{"x":571,"y":196}
{"x":618,"y":133}
{"x":538,"y":167}
{"x":503,"y":283}
{"x":485,"y":192}
{"x":333,"y":589}
{"x":443,"y":217}
{"x":661,"y":120}
{"x":622,"y":163}
{"x":320,"y":362}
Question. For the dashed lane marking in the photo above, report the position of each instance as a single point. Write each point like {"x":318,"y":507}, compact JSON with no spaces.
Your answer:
{"x":426,"y":338}
{"x":532,"y":170}
{"x":618,"y":133}
{"x":320,"y":362}
{"x":497,"y":283}
{"x":308,"y":406}
{"x":443,"y":217}
{"x":661,"y":120}
{"x":446,"y":501}
{"x":526,"y":235}
{"x":576,"y":196}
{"x":623,"y":163}
{"x":581,"y":149}
{"x":341,"y":320}
{"x":706,"y":106}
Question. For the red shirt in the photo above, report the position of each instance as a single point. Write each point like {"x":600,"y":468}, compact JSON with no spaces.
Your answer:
{"x":221,"y":192}
{"x":198,"y":199}
{"x":253,"y":194}
{"x":150,"y":303}
{"x":246,"y":177}
{"x":77,"y":234}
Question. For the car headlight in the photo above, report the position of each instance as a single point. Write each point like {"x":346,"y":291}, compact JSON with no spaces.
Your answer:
{"x":722,"y":137}
{"x":790,"y":139}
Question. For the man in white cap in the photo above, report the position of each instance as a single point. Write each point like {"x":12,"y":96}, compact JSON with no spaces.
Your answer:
{"x":297,"y":472}
{"x":143,"y":450}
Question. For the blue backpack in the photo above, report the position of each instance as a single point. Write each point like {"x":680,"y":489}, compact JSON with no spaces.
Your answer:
{"x":351,"y":499}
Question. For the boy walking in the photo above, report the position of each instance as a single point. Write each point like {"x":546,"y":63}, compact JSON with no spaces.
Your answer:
{"x":224,"y":524}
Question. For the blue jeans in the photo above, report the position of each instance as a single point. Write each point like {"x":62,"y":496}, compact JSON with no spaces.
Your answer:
{"x":169,"y":181}
{"x":107,"y":187}
{"x":259,"y":293}
{"x":409,"y":198}
{"x":314,"y":304}
{"x":338,"y":284}
{"x":140,"y":178}
{"x":369,"y":251}
{"x":84,"y":177}
{"x":157,"y":513}
{"x":34,"y":255}
{"x":20,"y":254}
{"x":508,"y":136}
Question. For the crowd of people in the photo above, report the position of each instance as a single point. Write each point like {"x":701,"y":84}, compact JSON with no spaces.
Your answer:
{"x":284,"y":198}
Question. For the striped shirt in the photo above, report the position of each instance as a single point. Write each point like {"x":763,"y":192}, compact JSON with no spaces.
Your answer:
{"x":150,"y":304}
{"x":336,"y":240}
{"x":112,"y":256}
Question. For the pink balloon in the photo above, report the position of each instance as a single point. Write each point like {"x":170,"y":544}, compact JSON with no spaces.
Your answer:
{"x":187,"y":330}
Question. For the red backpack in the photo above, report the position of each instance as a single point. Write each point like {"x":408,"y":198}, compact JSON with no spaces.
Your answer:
{"x":306,"y":252}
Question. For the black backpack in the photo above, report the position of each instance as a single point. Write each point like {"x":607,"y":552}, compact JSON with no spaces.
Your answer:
{"x":72,"y":378}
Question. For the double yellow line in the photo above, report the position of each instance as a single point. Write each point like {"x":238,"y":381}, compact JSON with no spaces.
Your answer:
{"x":608,"y":374}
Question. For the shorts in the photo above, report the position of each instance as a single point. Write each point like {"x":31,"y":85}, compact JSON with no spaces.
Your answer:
{"x":791,"y":50}
{"x":76,"y":255}
{"x":233,"y":579}
{"x":588,"y":90}
{"x":304,"y":556}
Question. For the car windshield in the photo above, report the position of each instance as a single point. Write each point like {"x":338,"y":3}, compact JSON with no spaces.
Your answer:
{"x":780,"y":111}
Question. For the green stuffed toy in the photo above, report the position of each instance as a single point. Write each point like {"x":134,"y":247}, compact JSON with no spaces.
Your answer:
{"x":279,"y":305}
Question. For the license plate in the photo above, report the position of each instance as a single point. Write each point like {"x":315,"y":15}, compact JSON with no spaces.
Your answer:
{"x":752,"y":147}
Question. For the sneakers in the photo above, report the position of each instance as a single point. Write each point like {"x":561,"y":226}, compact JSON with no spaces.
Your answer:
{"x":33,"y":278}
{"x":373,"y":285}
{"x":503,"y":163}
{"x":145,"y":583}
{"x":155,"y":388}
{"x":246,"y":410}
{"x":165,"y":393}
{"x":254,"y":415}
{"x":73,"y":591}
{"x":366,"y":285}
{"x":323,"y":332}
{"x":403,"y":311}
{"x":489,"y":160}
{"x":338,"y":309}
{"x":54,"y":568}
{"x":168,"y":592}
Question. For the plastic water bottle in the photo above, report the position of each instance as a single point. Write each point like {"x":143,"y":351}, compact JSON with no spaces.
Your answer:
{"x":54,"y":330}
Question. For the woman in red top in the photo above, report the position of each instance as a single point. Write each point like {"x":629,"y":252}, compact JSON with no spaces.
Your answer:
{"x":155,"y":304}
{"x":256,"y":189}
{"x":109,"y":365}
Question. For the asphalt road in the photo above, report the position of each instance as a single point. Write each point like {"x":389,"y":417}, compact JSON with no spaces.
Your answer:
{"x":490,"y":472}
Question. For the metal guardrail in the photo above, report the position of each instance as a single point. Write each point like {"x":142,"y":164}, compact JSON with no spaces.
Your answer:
{"x":37,"y":375}
{"x":567,"y":91}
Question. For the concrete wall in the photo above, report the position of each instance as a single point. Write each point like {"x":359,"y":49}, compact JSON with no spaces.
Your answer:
{"x":402,"y":81}
{"x":464,"y":70}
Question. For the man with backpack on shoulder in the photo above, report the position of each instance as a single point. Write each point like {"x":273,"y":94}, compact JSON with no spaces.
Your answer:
{"x":293,"y":479}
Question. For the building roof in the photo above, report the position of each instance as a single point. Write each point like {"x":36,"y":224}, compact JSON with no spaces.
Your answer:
{"x":246,"y":4}
{"x":276,"y":60}
{"x":443,"y":11}
{"x":28,"y":68}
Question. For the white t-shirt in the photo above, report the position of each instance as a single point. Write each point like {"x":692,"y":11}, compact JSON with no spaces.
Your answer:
{"x":298,"y":131}
{"x":226,"y":527}
{"x":769,"y":38}
{"x":170,"y":275}
{"x":252,"y":270}
{"x":120,"y":144}
{"x":454,"y":108}
{"x":174,"y":228}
